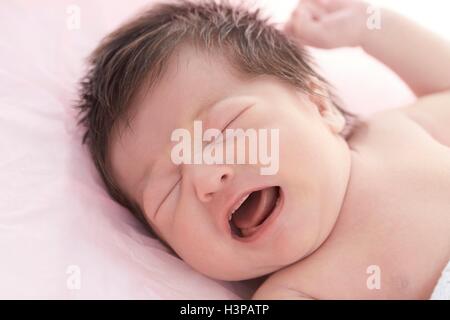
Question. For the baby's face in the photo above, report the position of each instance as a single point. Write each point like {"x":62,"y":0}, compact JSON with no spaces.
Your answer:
{"x":287,"y":215}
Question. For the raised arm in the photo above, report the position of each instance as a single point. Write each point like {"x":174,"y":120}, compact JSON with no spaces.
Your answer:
{"x":417,"y":55}
{"x":420,"y":57}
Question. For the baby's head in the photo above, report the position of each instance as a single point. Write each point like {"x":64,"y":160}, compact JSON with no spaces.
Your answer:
{"x":225,"y":66}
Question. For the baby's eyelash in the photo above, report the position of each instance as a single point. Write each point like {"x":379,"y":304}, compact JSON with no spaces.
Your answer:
{"x":232,"y":120}
{"x":166,"y":196}
{"x":171,"y":189}
{"x":236,"y":117}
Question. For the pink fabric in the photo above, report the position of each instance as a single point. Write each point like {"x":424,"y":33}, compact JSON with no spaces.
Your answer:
{"x":54,"y":212}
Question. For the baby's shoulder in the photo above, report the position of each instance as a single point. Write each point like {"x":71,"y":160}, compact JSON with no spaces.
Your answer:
{"x":426,"y":120}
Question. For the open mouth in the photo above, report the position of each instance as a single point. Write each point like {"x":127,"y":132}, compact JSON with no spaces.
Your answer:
{"x":252,"y":211}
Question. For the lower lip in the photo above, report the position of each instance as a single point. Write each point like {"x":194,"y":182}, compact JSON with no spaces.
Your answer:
{"x":267,"y":223}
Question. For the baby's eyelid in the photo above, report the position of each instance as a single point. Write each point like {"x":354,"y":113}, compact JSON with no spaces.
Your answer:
{"x":236,"y":117}
{"x":223,"y":110}
{"x":226,"y":125}
{"x":165,"y":197}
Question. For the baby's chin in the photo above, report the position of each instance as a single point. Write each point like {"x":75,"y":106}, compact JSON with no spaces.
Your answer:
{"x":255,"y":270}
{"x":240,"y":271}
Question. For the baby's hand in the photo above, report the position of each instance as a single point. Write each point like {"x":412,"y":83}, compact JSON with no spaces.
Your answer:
{"x":328,"y":24}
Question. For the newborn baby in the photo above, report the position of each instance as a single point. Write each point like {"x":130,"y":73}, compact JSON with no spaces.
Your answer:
{"x":354,"y":209}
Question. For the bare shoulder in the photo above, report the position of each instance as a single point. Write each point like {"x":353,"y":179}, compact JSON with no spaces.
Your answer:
{"x":432,"y":113}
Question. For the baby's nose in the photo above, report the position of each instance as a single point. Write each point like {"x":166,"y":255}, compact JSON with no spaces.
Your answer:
{"x":210,"y":179}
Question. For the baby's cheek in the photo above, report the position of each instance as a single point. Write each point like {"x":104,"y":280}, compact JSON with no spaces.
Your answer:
{"x":190,"y":233}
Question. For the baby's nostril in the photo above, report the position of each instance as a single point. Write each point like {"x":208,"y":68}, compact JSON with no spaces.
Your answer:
{"x":223,"y":178}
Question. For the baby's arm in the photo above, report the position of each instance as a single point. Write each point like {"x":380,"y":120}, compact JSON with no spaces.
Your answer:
{"x":420,"y":58}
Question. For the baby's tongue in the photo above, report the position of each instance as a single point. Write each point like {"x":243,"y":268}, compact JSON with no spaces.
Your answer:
{"x":255,"y":209}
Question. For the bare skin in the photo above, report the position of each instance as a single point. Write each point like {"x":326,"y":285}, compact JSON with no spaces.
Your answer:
{"x":400,"y":221}
{"x":396,"y":213}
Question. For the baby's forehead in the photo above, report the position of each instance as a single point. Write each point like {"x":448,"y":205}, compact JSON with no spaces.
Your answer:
{"x":191,"y":81}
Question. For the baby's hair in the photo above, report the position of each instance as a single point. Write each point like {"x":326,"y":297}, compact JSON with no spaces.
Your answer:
{"x":137,"y":53}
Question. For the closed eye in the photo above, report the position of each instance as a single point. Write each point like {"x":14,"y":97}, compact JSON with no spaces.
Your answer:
{"x":236,"y":117}
{"x":230,"y":122}
{"x":165,"y":197}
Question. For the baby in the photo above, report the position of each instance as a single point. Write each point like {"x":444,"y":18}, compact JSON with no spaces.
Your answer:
{"x":354,"y":210}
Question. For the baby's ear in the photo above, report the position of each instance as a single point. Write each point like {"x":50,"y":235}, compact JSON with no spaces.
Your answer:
{"x":320,"y":96}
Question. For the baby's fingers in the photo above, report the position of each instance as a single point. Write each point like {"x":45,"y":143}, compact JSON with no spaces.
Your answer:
{"x":303,"y":28}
